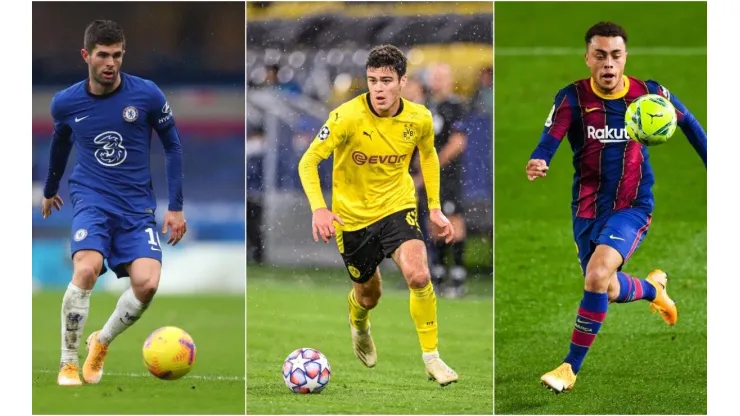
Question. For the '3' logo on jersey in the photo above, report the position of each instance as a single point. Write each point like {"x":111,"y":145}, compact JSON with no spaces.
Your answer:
{"x":111,"y":151}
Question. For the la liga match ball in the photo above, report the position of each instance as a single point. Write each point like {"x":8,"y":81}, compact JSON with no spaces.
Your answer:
{"x":169,"y":353}
{"x":650,"y":119}
{"x":306,"y":371}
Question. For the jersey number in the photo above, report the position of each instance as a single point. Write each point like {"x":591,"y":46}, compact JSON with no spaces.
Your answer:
{"x":411,"y":219}
{"x":153,"y":239}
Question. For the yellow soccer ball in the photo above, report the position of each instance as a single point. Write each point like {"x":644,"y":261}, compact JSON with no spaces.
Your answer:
{"x":169,"y":353}
{"x":650,"y":120}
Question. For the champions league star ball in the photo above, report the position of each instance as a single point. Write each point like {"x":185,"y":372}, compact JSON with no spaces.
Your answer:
{"x":306,"y":370}
{"x":169,"y":353}
{"x":650,"y":119}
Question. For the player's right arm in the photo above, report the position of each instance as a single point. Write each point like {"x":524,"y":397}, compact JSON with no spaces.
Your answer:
{"x":556,"y":127}
{"x":61,"y":146}
{"x":331,"y":135}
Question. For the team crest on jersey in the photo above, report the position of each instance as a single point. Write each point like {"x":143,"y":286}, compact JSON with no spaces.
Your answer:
{"x":111,"y":151}
{"x":80,"y":234}
{"x":548,"y":122}
{"x":324,"y":133}
{"x":130,"y":114}
{"x":408,"y":132}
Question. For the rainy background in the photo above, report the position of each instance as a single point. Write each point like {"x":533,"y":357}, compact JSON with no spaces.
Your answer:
{"x":305,"y":59}
{"x":194,"y":52}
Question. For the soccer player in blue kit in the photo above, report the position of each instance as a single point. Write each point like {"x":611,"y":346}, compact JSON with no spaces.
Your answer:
{"x":109,"y":118}
{"x":612,"y":188}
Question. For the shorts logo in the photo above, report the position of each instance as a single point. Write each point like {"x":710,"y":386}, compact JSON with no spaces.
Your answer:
{"x":112,"y":152}
{"x":354,"y":271}
{"x":130,"y":114}
{"x":80,"y":234}
{"x":361,"y":158}
{"x":324,"y":133}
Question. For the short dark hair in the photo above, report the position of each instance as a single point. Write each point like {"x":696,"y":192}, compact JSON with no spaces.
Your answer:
{"x":607,"y":29}
{"x":387,"y":56}
{"x":103,"y":32}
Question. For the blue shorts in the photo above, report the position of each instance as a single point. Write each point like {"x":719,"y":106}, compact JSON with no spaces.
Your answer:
{"x":120,"y":238}
{"x":622,"y":230}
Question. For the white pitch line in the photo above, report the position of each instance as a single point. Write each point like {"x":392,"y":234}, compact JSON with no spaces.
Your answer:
{"x":193,"y":376}
{"x":559,"y":51}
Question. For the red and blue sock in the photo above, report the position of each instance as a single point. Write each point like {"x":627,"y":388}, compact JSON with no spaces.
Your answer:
{"x":632,"y":289}
{"x":591,"y":315}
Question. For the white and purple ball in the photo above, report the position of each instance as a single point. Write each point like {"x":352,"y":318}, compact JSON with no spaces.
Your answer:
{"x":306,"y":370}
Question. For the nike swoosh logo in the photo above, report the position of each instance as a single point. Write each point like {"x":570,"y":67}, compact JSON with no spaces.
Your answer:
{"x":614,"y":237}
{"x":592,"y":109}
{"x":77,"y":120}
{"x":582,"y":322}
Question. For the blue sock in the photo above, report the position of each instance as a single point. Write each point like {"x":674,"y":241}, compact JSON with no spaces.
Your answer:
{"x":591,"y":315}
{"x":632,"y":289}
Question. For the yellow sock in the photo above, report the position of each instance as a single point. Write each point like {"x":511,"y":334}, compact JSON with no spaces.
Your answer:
{"x":358,"y":316}
{"x":423,"y":305}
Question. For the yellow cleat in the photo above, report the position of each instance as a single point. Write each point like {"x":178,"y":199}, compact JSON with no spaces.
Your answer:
{"x":92,"y":370}
{"x":559,"y":380}
{"x":662,"y":303}
{"x":69,"y":375}
{"x":439,"y":371}
{"x":364,"y":347}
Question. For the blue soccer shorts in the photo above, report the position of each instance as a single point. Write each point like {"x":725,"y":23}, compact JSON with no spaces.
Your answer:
{"x":120,"y":238}
{"x":622,"y":230}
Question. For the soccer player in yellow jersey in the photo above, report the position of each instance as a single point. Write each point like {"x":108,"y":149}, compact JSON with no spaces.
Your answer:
{"x":373,"y":212}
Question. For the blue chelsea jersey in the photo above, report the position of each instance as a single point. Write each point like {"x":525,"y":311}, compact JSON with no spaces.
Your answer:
{"x":112,"y":136}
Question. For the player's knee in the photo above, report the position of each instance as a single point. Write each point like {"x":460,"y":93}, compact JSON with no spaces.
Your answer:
{"x":85,"y":275}
{"x":146,"y":289}
{"x":369,"y":301}
{"x":597,"y":278}
{"x":418,"y":279}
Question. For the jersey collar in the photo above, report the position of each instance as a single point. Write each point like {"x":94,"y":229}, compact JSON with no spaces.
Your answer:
{"x":370,"y":105}
{"x":616,"y":95}
{"x":110,"y":94}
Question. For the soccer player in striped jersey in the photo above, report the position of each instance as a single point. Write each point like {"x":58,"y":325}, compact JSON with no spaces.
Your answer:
{"x":612,"y":188}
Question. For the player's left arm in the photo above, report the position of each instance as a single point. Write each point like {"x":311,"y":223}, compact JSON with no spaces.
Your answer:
{"x":686,"y":121}
{"x":429,"y":162}
{"x":163,"y":121}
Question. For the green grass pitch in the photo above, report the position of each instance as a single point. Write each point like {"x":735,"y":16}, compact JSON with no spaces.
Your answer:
{"x":215,"y":385}
{"x":289,"y":309}
{"x":637,"y":364}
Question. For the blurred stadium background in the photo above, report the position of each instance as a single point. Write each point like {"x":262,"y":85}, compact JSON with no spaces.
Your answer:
{"x":304,"y":59}
{"x":194,"y":52}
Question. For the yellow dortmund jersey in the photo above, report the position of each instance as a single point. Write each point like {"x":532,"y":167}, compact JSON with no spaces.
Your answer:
{"x":371,"y":161}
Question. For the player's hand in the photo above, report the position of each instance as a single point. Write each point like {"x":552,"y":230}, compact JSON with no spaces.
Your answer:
{"x":536,"y":168}
{"x":174,"y":221}
{"x":47,"y":203}
{"x":322,"y":224}
{"x":438,"y":218}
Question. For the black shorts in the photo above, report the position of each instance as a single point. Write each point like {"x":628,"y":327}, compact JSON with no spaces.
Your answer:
{"x":364,"y":249}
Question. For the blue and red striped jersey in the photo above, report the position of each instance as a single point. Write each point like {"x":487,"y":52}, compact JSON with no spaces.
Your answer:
{"x":612,"y":172}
